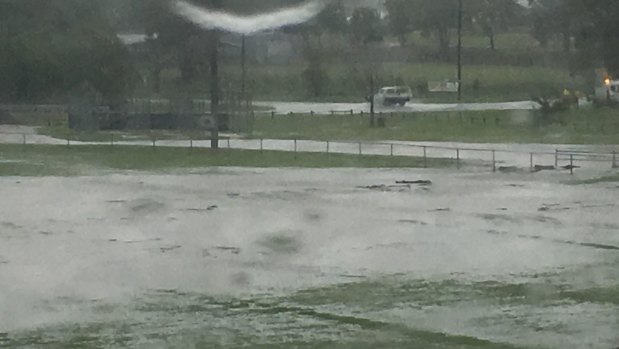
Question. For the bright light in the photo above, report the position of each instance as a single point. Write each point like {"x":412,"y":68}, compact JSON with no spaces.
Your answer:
{"x":607,"y":81}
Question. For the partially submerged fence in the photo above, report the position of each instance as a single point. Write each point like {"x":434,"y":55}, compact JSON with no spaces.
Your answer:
{"x":500,"y":158}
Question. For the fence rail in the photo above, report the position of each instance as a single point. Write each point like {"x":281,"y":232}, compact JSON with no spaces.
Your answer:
{"x":495,"y":158}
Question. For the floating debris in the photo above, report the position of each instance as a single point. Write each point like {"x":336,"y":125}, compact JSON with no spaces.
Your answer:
{"x":418,"y":182}
{"x":233,"y":250}
{"x":168,"y":249}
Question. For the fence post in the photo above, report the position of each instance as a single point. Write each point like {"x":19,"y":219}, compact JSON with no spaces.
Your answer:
{"x":458,"y":159}
{"x":493,"y":160}
{"x":24,"y":138}
{"x":556,"y":158}
{"x":295,"y":146}
{"x":190,"y":143}
{"x":328,"y":146}
{"x":112,"y":140}
{"x":360,"y":152}
{"x":425,"y":157}
{"x":571,"y":164}
{"x":614,"y":159}
{"x":228,"y":141}
{"x":261,"y":145}
{"x":391,"y":145}
{"x":531,"y":162}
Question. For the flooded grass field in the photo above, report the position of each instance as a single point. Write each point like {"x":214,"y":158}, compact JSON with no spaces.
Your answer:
{"x":308,"y":258}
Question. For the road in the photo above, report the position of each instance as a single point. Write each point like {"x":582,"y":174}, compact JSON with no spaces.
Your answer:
{"x":327,"y":108}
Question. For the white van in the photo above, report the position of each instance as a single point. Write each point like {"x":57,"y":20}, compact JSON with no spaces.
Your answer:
{"x":393,"y":95}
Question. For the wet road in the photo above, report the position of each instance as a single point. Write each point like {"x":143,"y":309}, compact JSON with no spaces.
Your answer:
{"x":327,"y":108}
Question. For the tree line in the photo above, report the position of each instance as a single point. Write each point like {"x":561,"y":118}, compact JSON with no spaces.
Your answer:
{"x":50,"y":49}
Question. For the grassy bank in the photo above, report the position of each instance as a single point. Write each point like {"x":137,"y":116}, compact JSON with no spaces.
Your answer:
{"x":586,"y":126}
{"x":45,"y":160}
{"x":592,"y":126}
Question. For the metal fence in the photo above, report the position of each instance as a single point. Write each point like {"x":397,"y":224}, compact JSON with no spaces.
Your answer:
{"x":501,"y":158}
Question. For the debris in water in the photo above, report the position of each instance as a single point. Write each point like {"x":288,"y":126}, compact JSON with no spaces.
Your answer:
{"x":387,"y":188}
{"x":413,"y":221}
{"x":420,"y":182}
{"x":233,"y":250}
{"x":509,"y":169}
{"x":168,"y":249}
{"x":210,"y":208}
{"x":538,"y":168}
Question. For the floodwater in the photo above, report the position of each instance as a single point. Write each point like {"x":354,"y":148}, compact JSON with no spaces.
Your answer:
{"x":292,"y":258}
{"x":326,"y":108}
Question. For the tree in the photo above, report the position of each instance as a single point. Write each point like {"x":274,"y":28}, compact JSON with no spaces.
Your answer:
{"x":493,"y":16}
{"x":314,"y":75}
{"x":49,"y":48}
{"x":552,"y":18}
{"x":332,"y":19}
{"x":437,"y":18}
{"x":400,"y":19}
{"x":366,"y":25}
{"x":590,"y":24}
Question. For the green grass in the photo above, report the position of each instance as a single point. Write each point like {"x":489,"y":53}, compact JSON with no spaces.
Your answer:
{"x":593,"y":126}
{"x":47,"y":160}
{"x":347,"y":82}
{"x":510,"y":41}
{"x":62,"y":132}
{"x":480,"y":83}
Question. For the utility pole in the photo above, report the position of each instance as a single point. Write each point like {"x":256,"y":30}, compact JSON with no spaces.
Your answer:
{"x":243,"y":66}
{"x":372,"y":116}
{"x":214,"y":64}
{"x":460,"y":12}
{"x":214,"y":83}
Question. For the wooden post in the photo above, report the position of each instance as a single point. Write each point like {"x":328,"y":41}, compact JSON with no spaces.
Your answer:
{"x":458,"y":158}
{"x":328,"y":146}
{"x":493,"y":161}
{"x":190,"y":143}
{"x":531,"y":162}
{"x":614,"y":159}
{"x":391,"y":145}
{"x":154,"y":141}
{"x":295,"y":146}
{"x":261,"y":145}
{"x":360,"y":152}
{"x":24,"y":138}
{"x":112,"y":140}
{"x":571,"y":164}
{"x":556,"y":158}
{"x":425,"y":157}
{"x":228,"y":141}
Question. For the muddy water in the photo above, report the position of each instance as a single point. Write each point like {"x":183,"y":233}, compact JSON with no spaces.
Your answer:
{"x":326,"y":108}
{"x":307,"y":259}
